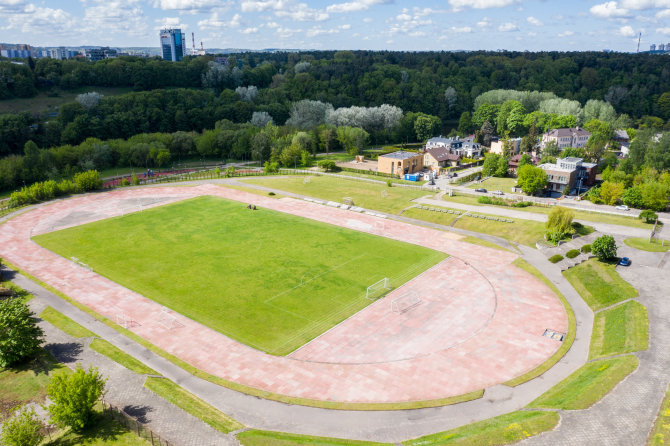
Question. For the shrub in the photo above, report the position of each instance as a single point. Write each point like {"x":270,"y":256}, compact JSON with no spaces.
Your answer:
{"x":86,"y":181}
{"x":586,"y":249}
{"x":135,"y":180}
{"x":604,"y":247}
{"x":389,"y":183}
{"x":485,"y":200}
{"x":271,"y":167}
{"x":556,"y":258}
{"x":125,"y":182}
{"x":22,"y":429}
{"x":572,"y":253}
{"x":271,"y":194}
{"x":559,"y":222}
{"x":648,"y":216}
{"x":74,"y":396}
{"x":217,"y":172}
{"x":20,"y":337}
{"x":523,"y":204}
{"x":327,"y":165}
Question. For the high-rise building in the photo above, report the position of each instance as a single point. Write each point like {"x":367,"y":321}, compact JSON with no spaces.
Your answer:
{"x":173,"y":44}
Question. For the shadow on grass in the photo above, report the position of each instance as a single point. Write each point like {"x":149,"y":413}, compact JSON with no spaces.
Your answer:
{"x":103,"y":429}
{"x":66,"y":352}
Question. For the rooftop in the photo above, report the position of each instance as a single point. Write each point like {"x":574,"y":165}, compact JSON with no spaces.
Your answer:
{"x":401,"y":155}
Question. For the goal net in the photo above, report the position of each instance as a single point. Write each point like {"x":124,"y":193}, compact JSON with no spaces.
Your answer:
{"x":405,"y":302}
{"x":168,"y":321}
{"x":378,"y":289}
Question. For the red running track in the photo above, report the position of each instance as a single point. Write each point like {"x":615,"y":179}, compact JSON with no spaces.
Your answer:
{"x":480,"y":320}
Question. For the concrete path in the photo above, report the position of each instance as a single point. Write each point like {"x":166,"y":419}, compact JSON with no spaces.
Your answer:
{"x":124,"y":389}
{"x":626,"y":415}
{"x":606,"y":228}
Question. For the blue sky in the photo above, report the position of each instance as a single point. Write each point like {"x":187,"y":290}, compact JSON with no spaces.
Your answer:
{"x":343,"y":24}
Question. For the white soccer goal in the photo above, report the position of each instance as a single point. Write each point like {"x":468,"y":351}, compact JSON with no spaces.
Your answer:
{"x":307,"y":180}
{"x":384,"y":193}
{"x":378,"y":289}
{"x":123,"y":319}
{"x":379,"y":226}
{"x":405,"y":302}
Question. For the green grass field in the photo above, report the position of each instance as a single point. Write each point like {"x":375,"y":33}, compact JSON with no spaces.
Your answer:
{"x":660,"y":432}
{"x":599,"y":284}
{"x":254,"y":437}
{"x":587,"y":385}
{"x":643,"y":244}
{"x":270,"y":280}
{"x":45,"y":103}
{"x":621,"y":329}
{"x":491,"y":184}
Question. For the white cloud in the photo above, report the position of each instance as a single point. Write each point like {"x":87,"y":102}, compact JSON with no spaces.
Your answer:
{"x":626,"y":31}
{"x":663,"y":14}
{"x":508,"y":27}
{"x":250,"y":30}
{"x":317,"y":31}
{"x":411,"y":23}
{"x":480,"y":4}
{"x":360,"y":5}
{"x":665,"y":31}
{"x":367,"y":20}
{"x":609,"y":10}
{"x":31,"y":19}
{"x":187,"y":5}
{"x":533,"y":21}
{"x":214,"y":21}
{"x":285,"y":8}
{"x":304,"y":14}
{"x":566,"y":34}
{"x":272,"y":25}
{"x":645,"y":4}
{"x":463,"y":29}
{"x":484,"y":23}
{"x":12,"y":5}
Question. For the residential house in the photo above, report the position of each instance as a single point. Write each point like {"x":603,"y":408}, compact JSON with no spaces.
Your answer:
{"x":567,"y":137}
{"x":498,"y":146}
{"x":569,"y":173}
{"x":439,"y":158}
{"x":622,"y":140}
{"x":400,"y":162}
{"x":466,"y":147}
{"x":514,"y":162}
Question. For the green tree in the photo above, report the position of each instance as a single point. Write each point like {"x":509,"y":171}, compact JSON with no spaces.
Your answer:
{"x":502,"y":167}
{"x":664,"y":105}
{"x":20,"y":337}
{"x":633,"y":197}
{"x":74,"y":397}
{"x":655,"y":196}
{"x":524,"y":160}
{"x":327,"y":165}
{"x":486,"y":133}
{"x":23,"y":428}
{"x":531,"y":179}
{"x":559,"y":223}
{"x":465,"y":123}
{"x":604,"y":247}
{"x":306,"y":159}
{"x":529,"y":141}
{"x":611,"y":192}
{"x":269,"y":167}
{"x":425,"y":127}
{"x":648,"y":216}
{"x":551,"y":149}
{"x":490,"y":164}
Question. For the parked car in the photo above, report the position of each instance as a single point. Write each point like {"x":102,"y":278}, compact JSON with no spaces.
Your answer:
{"x":481,"y":189}
{"x":623,"y":207}
{"x":498,"y":192}
{"x":625,"y":261}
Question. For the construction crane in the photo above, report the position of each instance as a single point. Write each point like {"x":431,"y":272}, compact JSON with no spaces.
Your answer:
{"x":638,"y":42}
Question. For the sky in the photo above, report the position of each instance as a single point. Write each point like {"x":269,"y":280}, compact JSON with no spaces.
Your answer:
{"x":422,"y":25}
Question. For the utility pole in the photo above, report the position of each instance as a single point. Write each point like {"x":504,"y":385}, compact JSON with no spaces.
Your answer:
{"x":638,"y":42}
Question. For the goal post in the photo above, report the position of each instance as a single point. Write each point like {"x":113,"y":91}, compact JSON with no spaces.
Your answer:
{"x":378,"y":289}
{"x":405,"y":302}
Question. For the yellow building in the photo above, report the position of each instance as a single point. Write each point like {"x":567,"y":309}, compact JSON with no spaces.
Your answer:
{"x":400,"y":163}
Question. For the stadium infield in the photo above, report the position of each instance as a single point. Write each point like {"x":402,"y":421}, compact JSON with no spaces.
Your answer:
{"x":268,"y":279}
{"x":479,"y":323}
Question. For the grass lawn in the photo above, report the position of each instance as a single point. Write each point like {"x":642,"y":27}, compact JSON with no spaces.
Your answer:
{"x":599,"y":284}
{"x":255,"y":437}
{"x":660,"y":433}
{"x":621,"y":329}
{"x":27,"y":382}
{"x":504,"y":429}
{"x":587,"y":385}
{"x":567,"y":342}
{"x":482,"y":242}
{"x":491,"y":184}
{"x":104,"y":431}
{"x":294,"y":277}
{"x":335,"y":156}
{"x":65,"y":324}
{"x":644,"y":245}
{"x":45,"y":103}
{"x":364,"y":194}
{"x":192,"y":404}
{"x":115,"y":354}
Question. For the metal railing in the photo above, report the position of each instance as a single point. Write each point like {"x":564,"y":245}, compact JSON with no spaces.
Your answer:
{"x":134,"y":425}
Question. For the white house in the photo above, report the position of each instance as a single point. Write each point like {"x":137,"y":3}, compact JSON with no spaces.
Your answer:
{"x":569,"y":137}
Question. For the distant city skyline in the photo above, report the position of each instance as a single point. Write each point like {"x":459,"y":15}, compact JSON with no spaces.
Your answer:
{"x":533,"y":25}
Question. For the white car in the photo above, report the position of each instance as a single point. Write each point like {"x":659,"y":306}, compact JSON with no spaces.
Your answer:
{"x":623,"y":207}
{"x":498,"y":192}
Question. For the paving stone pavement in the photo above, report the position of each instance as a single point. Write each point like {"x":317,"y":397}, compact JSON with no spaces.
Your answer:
{"x":125,"y":389}
{"x":626,"y":415}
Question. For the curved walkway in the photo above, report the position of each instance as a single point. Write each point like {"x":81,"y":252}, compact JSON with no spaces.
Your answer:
{"x":381,"y":426}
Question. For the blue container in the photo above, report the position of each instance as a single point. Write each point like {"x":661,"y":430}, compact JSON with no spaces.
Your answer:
{"x":412,"y":176}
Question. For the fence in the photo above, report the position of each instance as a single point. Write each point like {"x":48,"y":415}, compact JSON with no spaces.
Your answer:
{"x":134,"y":425}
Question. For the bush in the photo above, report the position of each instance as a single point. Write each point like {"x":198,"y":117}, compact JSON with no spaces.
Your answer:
{"x":271,"y":167}
{"x":74,"y":396}
{"x":648,"y":216}
{"x":327,"y":165}
{"x":125,"y":182}
{"x":586,"y":249}
{"x":604,"y":247}
{"x":389,"y":183}
{"x":134,"y":180}
{"x":484,"y":200}
{"x":556,"y":258}
{"x":20,"y":337}
{"x":271,"y":194}
{"x":86,"y":181}
{"x":559,"y":222}
{"x":572,"y":253}
{"x":523,"y":204}
{"x":22,"y":429}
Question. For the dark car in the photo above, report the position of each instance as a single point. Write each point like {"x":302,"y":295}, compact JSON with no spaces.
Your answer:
{"x":625,"y":261}
{"x":481,"y":189}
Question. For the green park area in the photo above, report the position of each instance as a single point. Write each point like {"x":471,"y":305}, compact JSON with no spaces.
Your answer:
{"x":274,"y":281}
{"x":494,"y":183}
{"x":643,"y":244}
{"x":618,"y":330}
{"x":599,"y":284}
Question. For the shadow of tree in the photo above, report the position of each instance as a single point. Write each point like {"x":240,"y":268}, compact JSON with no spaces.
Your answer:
{"x":138,"y":412}
{"x":103,"y":428}
{"x":67,"y":352}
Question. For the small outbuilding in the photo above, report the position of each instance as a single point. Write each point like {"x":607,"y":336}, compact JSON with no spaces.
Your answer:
{"x":400,"y":163}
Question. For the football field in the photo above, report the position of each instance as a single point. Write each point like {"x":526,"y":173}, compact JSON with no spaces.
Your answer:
{"x":268,"y":279}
